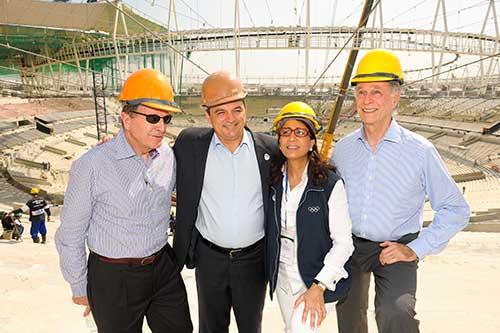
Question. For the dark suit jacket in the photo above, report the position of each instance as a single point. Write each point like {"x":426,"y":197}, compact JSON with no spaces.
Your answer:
{"x":191,"y":149}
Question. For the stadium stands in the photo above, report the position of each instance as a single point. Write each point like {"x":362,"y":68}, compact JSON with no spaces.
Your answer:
{"x":462,"y":109}
{"x":472,"y":158}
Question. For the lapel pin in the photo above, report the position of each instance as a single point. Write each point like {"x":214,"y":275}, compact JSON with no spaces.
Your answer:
{"x":266,"y":156}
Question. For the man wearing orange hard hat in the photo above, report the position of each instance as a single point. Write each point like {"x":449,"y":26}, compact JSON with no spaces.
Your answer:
{"x":118,"y":204}
{"x":222,"y":187}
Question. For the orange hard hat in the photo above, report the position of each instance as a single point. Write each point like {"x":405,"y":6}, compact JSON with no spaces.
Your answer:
{"x":150,"y":88}
{"x":220,"y":88}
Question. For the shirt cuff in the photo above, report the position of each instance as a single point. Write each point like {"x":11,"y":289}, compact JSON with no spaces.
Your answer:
{"x":420,"y":247}
{"x":79,"y":289}
{"x":329,"y":280}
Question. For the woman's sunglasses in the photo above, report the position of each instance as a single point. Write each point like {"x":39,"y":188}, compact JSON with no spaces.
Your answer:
{"x":154,"y":119}
{"x":299,"y":132}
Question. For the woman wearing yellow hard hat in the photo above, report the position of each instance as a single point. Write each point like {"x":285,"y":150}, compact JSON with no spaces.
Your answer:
{"x":308,"y":229}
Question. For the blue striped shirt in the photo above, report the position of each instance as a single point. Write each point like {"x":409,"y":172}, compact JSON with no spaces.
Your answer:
{"x":387,"y":188}
{"x":116,"y":202}
{"x":231,"y":209}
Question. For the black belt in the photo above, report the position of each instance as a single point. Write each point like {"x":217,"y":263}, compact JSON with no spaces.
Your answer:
{"x":231,"y":252}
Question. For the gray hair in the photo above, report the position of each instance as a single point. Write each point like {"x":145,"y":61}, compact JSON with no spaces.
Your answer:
{"x":127,"y":108}
{"x":395,"y":87}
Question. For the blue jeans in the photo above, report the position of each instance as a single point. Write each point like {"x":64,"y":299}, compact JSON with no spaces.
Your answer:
{"x":38,"y":227}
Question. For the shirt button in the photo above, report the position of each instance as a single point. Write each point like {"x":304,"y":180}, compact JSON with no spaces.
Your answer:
{"x":370,"y":177}
{"x":364,"y":216}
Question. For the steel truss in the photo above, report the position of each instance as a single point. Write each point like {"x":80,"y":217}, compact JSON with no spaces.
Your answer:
{"x":155,"y":49}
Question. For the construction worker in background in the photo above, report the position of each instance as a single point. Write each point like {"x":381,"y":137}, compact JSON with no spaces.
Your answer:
{"x":222,"y":189}
{"x":7,"y":225}
{"x":37,"y":208}
{"x":389,"y":172}
{"x":118,"y":203}
{"x":18,"y":227}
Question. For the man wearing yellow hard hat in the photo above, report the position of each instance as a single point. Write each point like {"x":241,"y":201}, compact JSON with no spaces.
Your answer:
{"x":222,"y":189}
{"x":37,"y":208}
{"x":117,"y":204}
{"x":389,"y":172}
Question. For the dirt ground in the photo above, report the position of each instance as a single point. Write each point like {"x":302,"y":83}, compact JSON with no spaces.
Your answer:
{"x":458,"y":290}
{"x":12,"y":108}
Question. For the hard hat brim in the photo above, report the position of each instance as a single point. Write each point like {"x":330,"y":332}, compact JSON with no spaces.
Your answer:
{"x":316,"y":125}
{"x":162,"y":107}
{"x":311,"y":125}
{"x":376,"y":77}
{"x":156,"y":104}
{"x":226,"y":100}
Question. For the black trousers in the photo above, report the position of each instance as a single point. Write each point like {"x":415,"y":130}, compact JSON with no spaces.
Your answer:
{"x":224,"y":281}
{"x":395,"y":289}
{"x":121,"y":295}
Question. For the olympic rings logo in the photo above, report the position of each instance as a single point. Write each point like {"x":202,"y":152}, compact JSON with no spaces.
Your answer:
{"x":313,"y":209}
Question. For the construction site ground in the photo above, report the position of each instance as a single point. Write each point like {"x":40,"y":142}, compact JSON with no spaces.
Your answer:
{"x":457,"y":290}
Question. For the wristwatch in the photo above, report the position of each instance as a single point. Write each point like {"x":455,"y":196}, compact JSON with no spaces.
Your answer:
{"x":320,"y":284}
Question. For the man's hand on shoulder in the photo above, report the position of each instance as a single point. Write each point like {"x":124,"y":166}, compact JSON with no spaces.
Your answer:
{"x":394,"y":252}
{"x":82,"y":300}
{"x":106,"y":138}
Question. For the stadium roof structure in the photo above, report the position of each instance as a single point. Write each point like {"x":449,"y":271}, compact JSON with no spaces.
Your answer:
{"x":49,"y":48}
{"x":44,"y":27}
{"x":99,"y":16}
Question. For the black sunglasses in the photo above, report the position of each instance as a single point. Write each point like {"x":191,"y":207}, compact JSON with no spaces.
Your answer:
{"x":154,"y":119}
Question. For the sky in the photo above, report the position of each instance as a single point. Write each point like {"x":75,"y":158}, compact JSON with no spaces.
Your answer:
{"x":461,"y":16}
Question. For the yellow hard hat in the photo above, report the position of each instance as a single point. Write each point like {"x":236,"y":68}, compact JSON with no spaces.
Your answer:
{"x":220,"y":88}
{"x":35,"y":190}
{"x":150,"y":88}
{"x":297,"y":110}
{"x":377,"y":66}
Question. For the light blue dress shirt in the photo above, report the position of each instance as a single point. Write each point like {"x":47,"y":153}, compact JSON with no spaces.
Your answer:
{"x":231,"y":209}
{"x":117,"y":203}
{"x":387,"y":189}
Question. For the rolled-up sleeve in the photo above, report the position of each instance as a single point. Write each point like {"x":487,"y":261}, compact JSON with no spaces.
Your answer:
{"x":71,"y":235}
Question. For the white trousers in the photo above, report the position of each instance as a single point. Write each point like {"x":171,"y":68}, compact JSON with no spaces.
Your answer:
{"x":286,"y":300}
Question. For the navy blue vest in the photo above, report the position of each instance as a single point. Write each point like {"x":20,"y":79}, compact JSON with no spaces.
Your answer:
{"x":313,"y":236}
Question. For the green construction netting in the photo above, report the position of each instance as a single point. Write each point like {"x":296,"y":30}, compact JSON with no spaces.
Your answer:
{"x":48,"y":40}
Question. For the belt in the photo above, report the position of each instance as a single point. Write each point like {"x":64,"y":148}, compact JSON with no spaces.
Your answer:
{"x":405,"y":239}
{"x":231,"y":252}
{"x":131,"y":261}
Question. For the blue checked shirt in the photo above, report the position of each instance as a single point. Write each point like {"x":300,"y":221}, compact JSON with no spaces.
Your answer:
{"x":387,"y":188}
{"x":117,"y":203}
